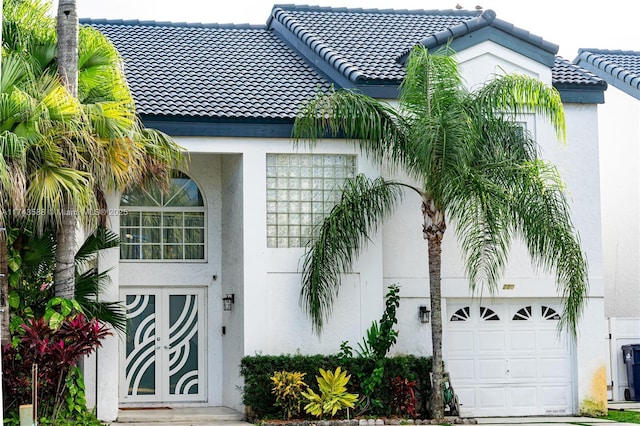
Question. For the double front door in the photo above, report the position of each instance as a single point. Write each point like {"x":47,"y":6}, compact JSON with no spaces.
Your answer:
{"x":163,"y":356}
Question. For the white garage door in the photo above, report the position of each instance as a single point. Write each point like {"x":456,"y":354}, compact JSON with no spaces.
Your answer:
{"x":505,"y":357}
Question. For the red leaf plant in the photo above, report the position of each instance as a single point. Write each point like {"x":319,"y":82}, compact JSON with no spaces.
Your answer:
{"x":403,"y":397}
{"x":54,"y":351}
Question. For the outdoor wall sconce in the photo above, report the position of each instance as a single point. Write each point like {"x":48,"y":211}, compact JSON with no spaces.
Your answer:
{"x":424,"y":314}
{"x":228,"y":301}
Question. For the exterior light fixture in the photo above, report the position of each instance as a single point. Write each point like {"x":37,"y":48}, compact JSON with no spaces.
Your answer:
{"x":424,"y":314}
{"x":228,"y":301}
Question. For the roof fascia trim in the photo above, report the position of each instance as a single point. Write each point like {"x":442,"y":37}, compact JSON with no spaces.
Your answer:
{"x":503,"y":39}
{"x":573,"y":94}
{"x":177,"y":126}
{"x":380,"y":91}
{"x":487,"y":27}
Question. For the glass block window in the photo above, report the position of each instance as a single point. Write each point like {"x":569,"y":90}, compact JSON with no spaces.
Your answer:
{"x":301,"y":190}
{"x":158,"y":225}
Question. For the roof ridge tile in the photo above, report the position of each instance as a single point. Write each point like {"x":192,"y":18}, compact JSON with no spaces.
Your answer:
{"x":313,"y":8}
{"x":152,"y":23}
{"x":348,"y":69}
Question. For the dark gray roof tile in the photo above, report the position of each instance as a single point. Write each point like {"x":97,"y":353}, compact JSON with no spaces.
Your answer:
{"x":211,"y":70}
{"x":620,"y":68}
{"x":565,"y":72}
{"x":245,"y":71}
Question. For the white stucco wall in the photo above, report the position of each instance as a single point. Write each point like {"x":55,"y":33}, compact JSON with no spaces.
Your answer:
{"x":619,"y":120}
{"x":232,"y":278}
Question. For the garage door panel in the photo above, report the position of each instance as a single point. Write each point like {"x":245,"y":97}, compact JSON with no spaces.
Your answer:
{"x":494,"y":397}
{"x":491,"y":341}
{"x":522,"y":341}
{"x":512,"y":365}
{"x":548,"y":340}
{"x":523,"y":368}
{"x":464,"y":370}
{"x":491,"y":369}
{"x":468,"y":395}
{"x":523,"y":396}
{"x":460,"y":342}
{"x":555,"y":399}
{"x":554,"y":368}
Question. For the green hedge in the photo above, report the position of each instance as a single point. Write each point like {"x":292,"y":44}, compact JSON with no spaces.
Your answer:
{"x":257,"y":370}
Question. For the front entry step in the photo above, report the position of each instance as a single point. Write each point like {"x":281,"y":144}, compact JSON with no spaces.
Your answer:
{"x":190,"y":415}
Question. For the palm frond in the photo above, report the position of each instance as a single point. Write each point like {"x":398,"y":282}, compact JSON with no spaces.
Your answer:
{"x":518,"y":94}
{"x":52,"y":188}
{"x":432,"y":84}
{"x":342,"y":234}
{"x":89,"y":286}
{"x":100,"y":239}
{"x":375,"y":127}
{"x":544,"y":219}
{"x":484,"y":228}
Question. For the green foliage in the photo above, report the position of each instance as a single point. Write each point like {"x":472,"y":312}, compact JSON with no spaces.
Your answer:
{"x":622,"y":416}
{"x":288,"y":387}
{"x":76,"y":399}
{"x":59,"y":309}
{"x":257,"y":371}
{"x":375,"y":346}
{"x":333,"y":395}
{"x":32,"y":289}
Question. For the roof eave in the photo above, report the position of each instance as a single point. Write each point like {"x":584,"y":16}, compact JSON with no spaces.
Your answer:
{"x":613,"y":74}
{"x":572,"y":93}
{"x":219,"y":127}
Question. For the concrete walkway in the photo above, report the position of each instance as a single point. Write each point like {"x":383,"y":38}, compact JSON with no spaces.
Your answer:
{"x":223,"y":416}
{"x":546,"y":421}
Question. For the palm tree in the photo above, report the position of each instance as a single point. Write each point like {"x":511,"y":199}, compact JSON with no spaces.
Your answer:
{"x":109,"y":145}
{"x":36,"y":112}
{"x":472,"y":164}
{"x":65,"y":150}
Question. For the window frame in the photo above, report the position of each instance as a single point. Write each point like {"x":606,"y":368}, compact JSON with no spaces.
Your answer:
{"x":126,"y":210}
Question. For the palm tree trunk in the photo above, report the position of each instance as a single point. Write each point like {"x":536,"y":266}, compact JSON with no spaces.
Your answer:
{"x":64,"y":274}
{"x":67,"y":31}
{"x":433,"y":231}
{"x":435,"y":258}
{"x":4,"y":288}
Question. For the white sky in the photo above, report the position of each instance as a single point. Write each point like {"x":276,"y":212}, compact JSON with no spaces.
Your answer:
{"x":571,"y":24}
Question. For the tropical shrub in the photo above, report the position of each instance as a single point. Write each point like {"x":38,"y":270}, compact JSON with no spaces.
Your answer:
{"x":375,"y":345}
{"x":54,"y":344}
{"x":333,"y":395}
{"x":403,"y":400}
{"x":260,"y":402}
{"x":288,"y":387}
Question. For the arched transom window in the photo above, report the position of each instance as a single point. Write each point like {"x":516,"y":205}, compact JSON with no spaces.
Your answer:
{"x":159,"y":225}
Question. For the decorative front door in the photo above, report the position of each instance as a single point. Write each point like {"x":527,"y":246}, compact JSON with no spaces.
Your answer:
{"x":164,"y":347}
